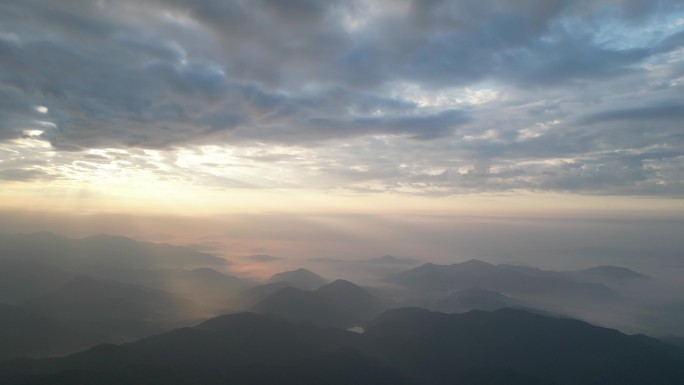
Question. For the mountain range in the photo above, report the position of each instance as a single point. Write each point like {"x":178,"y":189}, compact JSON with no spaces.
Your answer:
{"x":61,"y":296}
{"x":404,"y":346}
{"x":340,"y":303}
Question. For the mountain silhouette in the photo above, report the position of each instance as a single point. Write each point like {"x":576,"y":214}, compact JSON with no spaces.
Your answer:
{"x":100,"y":252}
{"x":474,"y":273}
{"x":251,"y":296}
{"x":601,"y":273}
{"x":438,"y":348}
{"x":241,"y":345}
{"x":340,"y":303}
{"x":206,"y":286}
{"x":389,"y":259}
{"x":25,"y":334}
{"x":598,"y":274}
{"x":21,"y":279}
{"x":474,"y":299}
{"x":300,"y":278}
{"x":408,"y":346}
{"x":121,"y":311}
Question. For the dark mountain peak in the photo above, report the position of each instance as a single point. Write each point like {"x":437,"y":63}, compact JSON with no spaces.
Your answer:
{"x":342,"y":287}
{"x":301,"y":278}
{"x":614,"y":272}
{"x":288,"y":290}
{"x":340,"y":303}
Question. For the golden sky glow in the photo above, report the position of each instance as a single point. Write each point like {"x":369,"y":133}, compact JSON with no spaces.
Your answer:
{"x":381,"y":109}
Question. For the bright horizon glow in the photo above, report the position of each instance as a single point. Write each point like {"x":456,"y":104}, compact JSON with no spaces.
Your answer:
{"x":130,"y":196}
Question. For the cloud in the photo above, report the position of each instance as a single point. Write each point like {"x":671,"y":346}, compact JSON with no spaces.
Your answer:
{"x":666,"y":113}
{"x":421,"y":96}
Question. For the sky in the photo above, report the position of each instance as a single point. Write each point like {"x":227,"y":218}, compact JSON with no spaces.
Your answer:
{"x":362,"y":115}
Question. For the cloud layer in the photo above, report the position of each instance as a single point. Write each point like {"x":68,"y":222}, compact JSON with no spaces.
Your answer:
{"x":427,"y":97}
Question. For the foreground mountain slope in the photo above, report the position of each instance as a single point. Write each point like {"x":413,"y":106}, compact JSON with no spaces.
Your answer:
{"x":25,"y":334}
{"x":342,"y":367}
{"x":435,"y":347}
{"x":242,"y":348}
{"x":407,"y":346}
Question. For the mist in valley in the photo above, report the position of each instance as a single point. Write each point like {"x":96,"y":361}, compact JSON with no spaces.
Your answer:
{"x":61,"y":296}
{"x":363,"y":192}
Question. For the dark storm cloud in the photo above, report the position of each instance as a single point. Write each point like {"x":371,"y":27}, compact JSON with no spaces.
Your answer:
{"x":166,"y":74}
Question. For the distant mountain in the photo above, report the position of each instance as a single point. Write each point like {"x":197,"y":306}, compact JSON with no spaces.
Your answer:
{"x":340,"y":303}
{"x":121,"y":310}
{"x":262,"y":258}
{"x":21,"y":280}
{"x":474,"y":299}
{"x":405,"y":346}
{"x":300,"y":278}
{"x":100,"y":251}
{"x":25,"y":334}
{"x":474,"y":273}
{"x":535,"y":272}
{"x":600,"y":273}
{"x":368,"y":271}
{"x":204,"y":285}
{"x":251,"y":296}
{"x":388,"y":259}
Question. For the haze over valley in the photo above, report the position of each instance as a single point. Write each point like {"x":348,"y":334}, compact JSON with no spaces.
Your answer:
{"x":418,"y":192}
